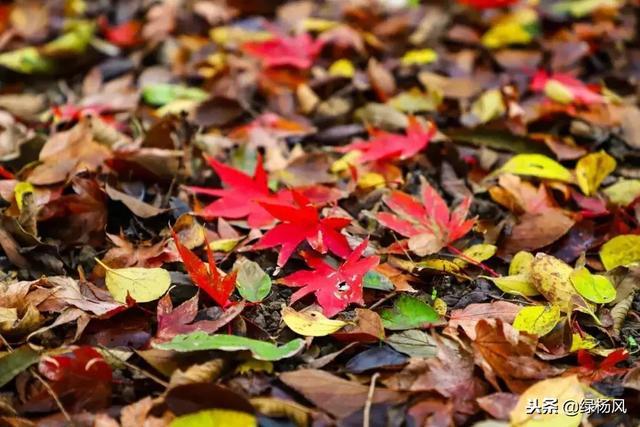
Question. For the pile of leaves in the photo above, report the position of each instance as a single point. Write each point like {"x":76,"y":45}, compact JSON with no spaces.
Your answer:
{"x":292,"y":213}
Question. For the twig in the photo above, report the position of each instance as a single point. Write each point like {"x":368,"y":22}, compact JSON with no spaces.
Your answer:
{"x":367,"y":405}
{"x":53,"y":394}
{"x":472,"y":261}
{"x":380,"y":301}
{"x":136,"y":368}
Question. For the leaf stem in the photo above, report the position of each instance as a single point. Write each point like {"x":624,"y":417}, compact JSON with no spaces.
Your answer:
{"x":470,"y":260}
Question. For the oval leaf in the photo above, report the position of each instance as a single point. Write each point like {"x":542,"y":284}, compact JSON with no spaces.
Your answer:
{"x":310,"y":323}
{"x":252,"y":282}
{"x":408,"y":313}
{"x":621,"y":250}
{"x":215,"y":417}
{"x":537,"y":320}
{"x":537,"y":165}
{"x":141,"y":284}
{"x":594,"y":287}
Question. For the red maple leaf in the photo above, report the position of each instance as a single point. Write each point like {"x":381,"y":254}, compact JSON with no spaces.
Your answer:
{"x":386,"y":145}
{"x":335,"y":288}
{"x":124,"y":35}
{"x":298,"y":52}
{"x":591,"y":370}
{"x":241,"y":198}
{"x":488,"y":4}
{"x":303,"y":223}
{"x":428,"y":225}
{"x":207,"y":277}
{"x":81,"y":379}
{"x":581,"y":93}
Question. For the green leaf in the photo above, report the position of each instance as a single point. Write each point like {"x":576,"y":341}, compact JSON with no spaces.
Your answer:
{"x":15,"y":362}
{"x":375,"y":280}
{"x":536,"y":165}
{"x":142,"y":284}
{"x":252,"y":282}
{"x":621,"y":250}
{"x":214,"y":418}
{"x":537,"y":320}
{"x":594,"y":287}
{"x":408,"y":313}
{"x":413,"y":342}
{"x":260,"y":350}
{"x":497,"y":140}
{"x":27,"y":60}
{"x":163,"y":93}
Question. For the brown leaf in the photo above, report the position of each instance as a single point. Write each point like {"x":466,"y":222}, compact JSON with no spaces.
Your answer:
{"x":366,"y":328}
{"x":381,"y":80}
{"x":468,"y":317}
{"x":501,"y":351}
{"x":535,"y":231}
{"x":332,"y":394}
{"x":498,"y":405}
{"x":137,"y":206}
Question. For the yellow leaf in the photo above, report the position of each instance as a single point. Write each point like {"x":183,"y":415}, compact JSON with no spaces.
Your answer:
{"x":563,"y":389}
{"x":440,"y":306}
{"x":489,"y":106}
{"x":318,"y":25}
{"x":537,"y":320}
{"x":214,"y":418}
{"x":343,"y":163}
{"x":537,"y":165}
{"x":517,"y":284}
{"x":20,"y":190}
{"x":371,"y":180}
{"x":414,"y":101}
{"x":342,"y":68}
{"x":279,"y":408}
{"x":621,"y":250}
{"x":521,"y":263}
{"x":552,"y":278}
{"x":479,"y":253}
{"x":236,"y":35}
{"x":177,"y":106}
{"x":592,"y":169}
{"x":224,"y":245}
{"x":505,"y":34}
{"x":578,"y":342}
{"x":594,"y":287}
{"x":439,"y":264}
{"x":419,"y":57}
{"x":558,"y":92}
{"x":142,"y":284}
{"x":310,"y":323}
{"x":255,"y":365}
{"x":623,"y":192}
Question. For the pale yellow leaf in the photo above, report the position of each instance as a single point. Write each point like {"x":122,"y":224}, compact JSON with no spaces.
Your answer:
{"x":310,"y":323}
{"x":621,"y":250}
{"x":592,"y":169}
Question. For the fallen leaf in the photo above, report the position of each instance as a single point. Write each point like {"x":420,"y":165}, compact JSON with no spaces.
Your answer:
{"x":310,"y":323}
{"x":592,"y":169}
{"x":564,"y":389}
{"x":594,"y":287}
{"x":212,"y":417}
{"x":407,"y":313}
{"x":141,"y":284}
{"x":261,"y":350}
{"x":621,"y":250}
{"x":537,"y":320}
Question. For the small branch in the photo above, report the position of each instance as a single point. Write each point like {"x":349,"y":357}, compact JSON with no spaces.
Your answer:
{"x":136,"y":368}
{"x":470,"y":260}
{"x":367,"y":405}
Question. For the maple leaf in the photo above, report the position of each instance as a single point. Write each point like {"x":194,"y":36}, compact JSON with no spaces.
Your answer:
{"x":298,"y":52}
{"x":594,"y":372}
{"x":241,"y":199}
{"x":206,"y":277}
{"x":488,"y":4}
{"x":335,"y":288}
{"x":428,"y":225}
{"x":303,"y":223}
{"x":386,"y":145}
{"x":576,"y":91}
